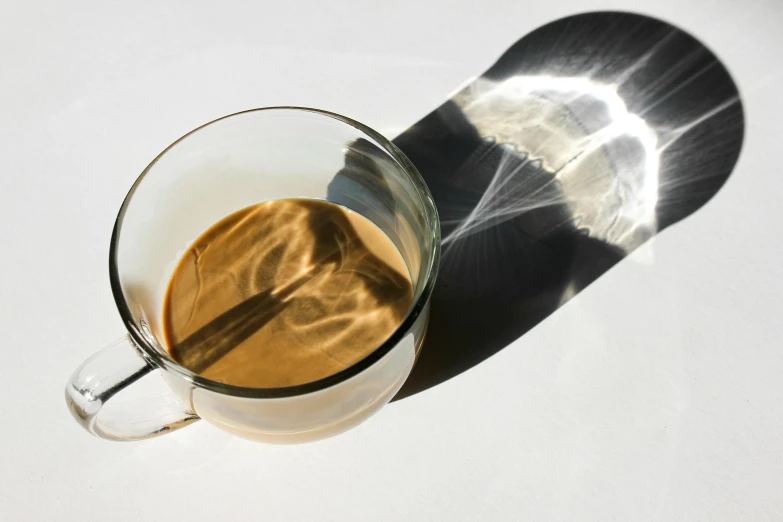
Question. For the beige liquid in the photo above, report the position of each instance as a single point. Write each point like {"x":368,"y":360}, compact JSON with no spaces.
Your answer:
{"x":284,"y":293}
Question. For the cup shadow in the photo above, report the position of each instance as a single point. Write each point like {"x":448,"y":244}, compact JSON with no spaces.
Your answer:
{"x":586,"y":138}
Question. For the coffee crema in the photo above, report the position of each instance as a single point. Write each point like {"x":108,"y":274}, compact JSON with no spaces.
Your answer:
{"x":283,"y":293}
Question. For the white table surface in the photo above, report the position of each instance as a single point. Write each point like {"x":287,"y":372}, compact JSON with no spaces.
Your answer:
{"x":653,"y":395}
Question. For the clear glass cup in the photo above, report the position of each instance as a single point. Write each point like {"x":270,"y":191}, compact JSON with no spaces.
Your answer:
{"x":211,"y":172}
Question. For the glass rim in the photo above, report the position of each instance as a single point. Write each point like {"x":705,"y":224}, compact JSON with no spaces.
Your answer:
{"x":163,"y":360}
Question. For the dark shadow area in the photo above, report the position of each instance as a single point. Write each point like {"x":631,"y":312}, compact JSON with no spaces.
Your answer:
{"x":585,"y":139}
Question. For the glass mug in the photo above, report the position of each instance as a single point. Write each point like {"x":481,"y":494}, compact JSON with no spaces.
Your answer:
{"x":211,"y":172}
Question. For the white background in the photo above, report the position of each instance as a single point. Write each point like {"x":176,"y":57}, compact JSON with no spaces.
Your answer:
{"x":654,"y":395}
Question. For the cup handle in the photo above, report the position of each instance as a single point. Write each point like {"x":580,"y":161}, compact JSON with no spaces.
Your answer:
{"x":104,"y":374}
